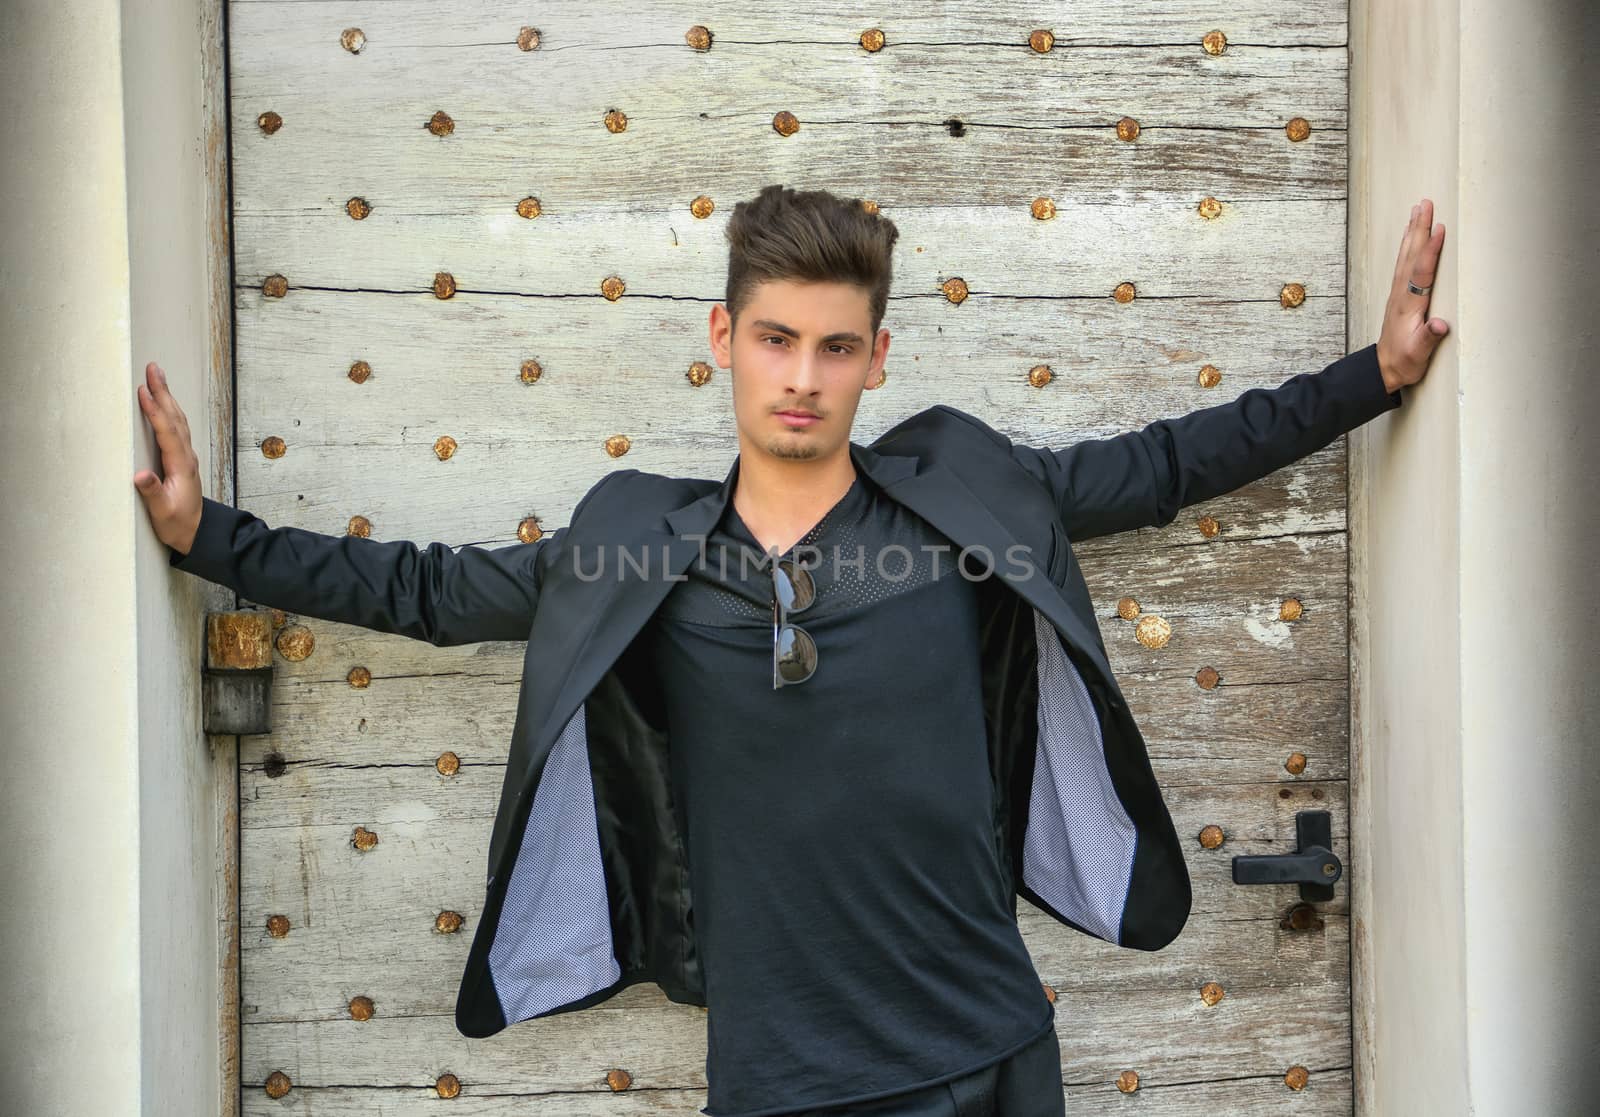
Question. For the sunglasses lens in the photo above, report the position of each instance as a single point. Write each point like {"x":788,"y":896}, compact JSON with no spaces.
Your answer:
{"x":794,"y":585}
{"x":797,"y":655}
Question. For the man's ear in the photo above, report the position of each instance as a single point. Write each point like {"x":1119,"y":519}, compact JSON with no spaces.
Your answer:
{"x":721,"y":335}
{"x":880,"y":352}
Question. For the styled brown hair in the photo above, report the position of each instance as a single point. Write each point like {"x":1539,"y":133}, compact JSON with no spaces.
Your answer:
{"x":808,"y":236}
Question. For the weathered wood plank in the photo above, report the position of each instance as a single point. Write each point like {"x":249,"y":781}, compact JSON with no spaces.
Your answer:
{"x":1278,"y":680}
{"x":345,"y":440}
{"x":1263,"y":1095}
{"x":365,"y":921}
{"x":564,"y":24}
{"x":1169,"y":1035}
{"x":1160,"y":243}
{"x":899,"y":164}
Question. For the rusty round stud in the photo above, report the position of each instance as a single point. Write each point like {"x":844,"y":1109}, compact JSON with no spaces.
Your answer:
{"x":1039,"y":375}
{"x":358,"y":525}
{"x":1297,"y":129}
{"x":276,"y":1085}
{"x":1208,"y":526}
{"x":1042,"y":40}
{"x":274,"y":765}
{"x":444,"y":285}
{"x":447,"y":923}
{"x":1211,"y":836}
{"x":870,"y":206}
{"x":444,"y":447}
{"x":617,"y":445}
{"x":785,"y":123}
{"x":1125,"y":292}
{"x":360,"y":372}
{"x":1209,"y":376}
{"x":1296,"y":1077}
{"x":612,"y":287}
{"x":618,"y":1079}
{"x":1214,"y":42}
{"x":1128,"y":1081}
{"x":1208,"y":678}
{"x":1302,"y":917}
{"x":699,"y":374}
{"x":440,"y":123}
{"x":872,"y":40}
{"x":955,"y":289}
{"x":698,"y":37}
{"x":1152,"y":631}
{"x":447,"y":1085}
{"x":352,"y":39}
{"x":1210,"y":993}
{"x":363,"y":839}
{"x":361,"y":1007}
{"x":1289,"y":609}
{"x":1127,"y":608}
{"x":1043,"y":209}
{"x":702,"y":206}
{"x":528,"y":529}
{"x":1296,"y":763}
{"x":883,"y":378}
{"x":531,"y":371}
{"x":269,"y":122}
{"x":277,"y":926}
{"x":616,"y":121}
{"x":528,"y":38}
{"x":1316,"y":793}
{"x":279,"y":618}
{"x":447,"y":763}
{"x":359,"y":677}
{"x":1292,"y":295}
{"x":1285,"y":793}
{"x":1049,"y":991}
{"x":1209,"y":208}
{"x":529,"y":207}
{"x":1127,"y":128}
{"x":273,"y":447}
{"x":357,"y":208}
{"x":275,"y":286}
{"x":295,"y":642}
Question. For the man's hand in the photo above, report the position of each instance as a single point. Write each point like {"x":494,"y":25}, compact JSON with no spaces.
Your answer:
{"x":174,"y":502}
{"x":1409,"y":336}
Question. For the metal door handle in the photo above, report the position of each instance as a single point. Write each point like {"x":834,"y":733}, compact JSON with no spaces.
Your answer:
{"x":1313,"y":865}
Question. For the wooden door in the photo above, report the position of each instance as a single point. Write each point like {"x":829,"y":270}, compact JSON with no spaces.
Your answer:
{"x":467,"y":287}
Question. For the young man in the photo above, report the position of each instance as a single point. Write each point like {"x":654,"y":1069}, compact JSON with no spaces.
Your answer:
{"x":866,"y":749}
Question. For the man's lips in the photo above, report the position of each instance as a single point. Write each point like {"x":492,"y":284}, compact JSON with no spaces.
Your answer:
{"x":799,"y":418}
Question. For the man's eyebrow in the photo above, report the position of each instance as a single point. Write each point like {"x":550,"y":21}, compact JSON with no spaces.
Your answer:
{"x":779,"y":327}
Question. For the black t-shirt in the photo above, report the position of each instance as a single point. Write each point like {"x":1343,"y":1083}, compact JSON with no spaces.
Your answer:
{"x":847,"y":898}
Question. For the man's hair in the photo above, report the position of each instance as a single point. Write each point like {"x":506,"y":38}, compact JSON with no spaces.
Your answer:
{"x":808,"y":236}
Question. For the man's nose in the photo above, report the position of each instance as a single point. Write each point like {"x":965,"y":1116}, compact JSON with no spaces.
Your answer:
{"x":805,"y":374}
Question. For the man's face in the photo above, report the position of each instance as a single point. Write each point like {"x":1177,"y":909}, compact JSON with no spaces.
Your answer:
{"x":805,"y":349}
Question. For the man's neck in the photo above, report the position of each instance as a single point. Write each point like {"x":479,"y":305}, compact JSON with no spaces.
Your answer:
{"x":781,"y":499}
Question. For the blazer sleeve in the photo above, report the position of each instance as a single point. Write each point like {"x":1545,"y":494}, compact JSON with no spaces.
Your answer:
{"x":1143,"y":478}
{"x":430,"y":593}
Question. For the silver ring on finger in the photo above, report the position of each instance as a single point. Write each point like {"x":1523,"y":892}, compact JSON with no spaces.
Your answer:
{"x":1415,"y":290}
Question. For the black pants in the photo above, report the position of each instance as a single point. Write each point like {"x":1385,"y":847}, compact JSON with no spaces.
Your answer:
{"x":1025,"y":1084}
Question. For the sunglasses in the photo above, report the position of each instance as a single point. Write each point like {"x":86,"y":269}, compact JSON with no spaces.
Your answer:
{"x":794,"y":653}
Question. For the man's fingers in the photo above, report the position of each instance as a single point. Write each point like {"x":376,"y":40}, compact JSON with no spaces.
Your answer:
{"x":168,"y":400}
{"x":161,"y":410}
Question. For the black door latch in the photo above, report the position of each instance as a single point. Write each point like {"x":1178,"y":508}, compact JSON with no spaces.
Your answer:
{"x":1313,"y":865}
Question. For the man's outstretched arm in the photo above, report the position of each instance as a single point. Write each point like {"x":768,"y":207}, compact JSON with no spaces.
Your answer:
{"x":428,"y":593}
{"x":1143,"y":478}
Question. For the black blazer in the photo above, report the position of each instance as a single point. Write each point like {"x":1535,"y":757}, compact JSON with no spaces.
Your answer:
{"x":587,"y":884}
